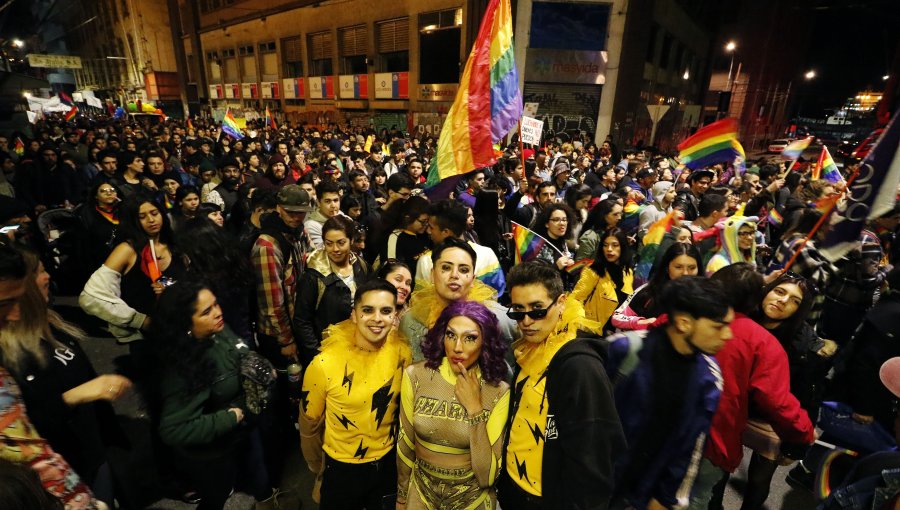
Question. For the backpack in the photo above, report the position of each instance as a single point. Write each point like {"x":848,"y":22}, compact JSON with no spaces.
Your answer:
{"x":258,"y":378}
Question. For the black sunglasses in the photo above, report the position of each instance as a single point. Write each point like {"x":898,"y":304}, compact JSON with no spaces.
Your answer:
{"x":533,"y":314}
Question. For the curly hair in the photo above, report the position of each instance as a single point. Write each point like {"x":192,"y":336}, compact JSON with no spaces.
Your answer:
{"x":491,"y":361}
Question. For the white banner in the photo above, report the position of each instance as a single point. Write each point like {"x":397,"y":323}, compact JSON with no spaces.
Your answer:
{"x":531,"y":130}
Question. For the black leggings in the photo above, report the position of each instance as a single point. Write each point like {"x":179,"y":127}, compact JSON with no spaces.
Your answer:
{"x":759,"y":478}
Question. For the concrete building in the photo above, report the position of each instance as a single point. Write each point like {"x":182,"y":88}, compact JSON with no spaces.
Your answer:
{"x":590,"y":66}
{"x":125,"y":47}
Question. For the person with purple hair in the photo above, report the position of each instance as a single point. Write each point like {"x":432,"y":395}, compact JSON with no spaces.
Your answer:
{"x":453,"y":411}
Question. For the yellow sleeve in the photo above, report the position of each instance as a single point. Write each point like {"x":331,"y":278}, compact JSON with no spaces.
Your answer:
{"x":314,"y":392}
{"x":586,"y":284}
{"x":406,"y":440}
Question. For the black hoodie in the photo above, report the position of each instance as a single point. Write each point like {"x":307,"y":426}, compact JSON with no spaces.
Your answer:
{"x":584,"y":436}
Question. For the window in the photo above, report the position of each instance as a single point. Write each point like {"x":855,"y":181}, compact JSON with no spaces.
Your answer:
{"x":268,"y":61}
{"x":321,"y":51}
{"x":230,"y":66}
{"x":392,"y":44}
{"x":354,"y":46}
{"x":569,"y":26}
{"x":248,"y":63}
{"x":292,"y":57}
{"x":439,"y":46}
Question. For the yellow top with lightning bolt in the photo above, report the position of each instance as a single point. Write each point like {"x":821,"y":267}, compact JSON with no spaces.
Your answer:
{"x":357,"y":391}
{"x":528,"y":426}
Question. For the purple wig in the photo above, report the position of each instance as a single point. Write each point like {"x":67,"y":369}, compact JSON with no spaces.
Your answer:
{"x":493,"y":348}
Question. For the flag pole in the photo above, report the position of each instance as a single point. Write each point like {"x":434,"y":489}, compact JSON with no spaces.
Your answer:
{"x":542,"y":238}
{"x":522,"y":149}
{"x":819,"y":223}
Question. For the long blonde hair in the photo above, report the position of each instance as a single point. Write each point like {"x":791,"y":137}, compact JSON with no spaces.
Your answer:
{"x":35,"y":325}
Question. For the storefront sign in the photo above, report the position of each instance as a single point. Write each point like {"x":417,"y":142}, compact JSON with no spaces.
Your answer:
{"x":354,"y":86}
{"x":216,"y":92}
{"x":270,"y":90}
{"x":392,"y":86}
{"x":250,"y":90}
{"x":321,"y":87}
{"x":438,"y":92}
{"x":294,"y":88}
{"x":54,"y":61}
{"x":566,"y":66}
{"x":233,"y":90}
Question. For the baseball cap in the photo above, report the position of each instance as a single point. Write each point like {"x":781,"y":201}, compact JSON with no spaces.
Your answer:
{"x":643,"y":173}
{"x":295,"y":199}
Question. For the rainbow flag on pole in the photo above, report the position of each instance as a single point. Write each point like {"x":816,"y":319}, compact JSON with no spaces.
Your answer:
{"x":190,"y":125}
{"x":795,"y":149}
{"x":652,"y":239}
{"x":71,"y":114}
{"x":715,"y":143}
{"x":19,"y":147}
{"x":230,"y":127}
{"x":270,"y":120}
{"x":488,"y":104}
{"x":528,"y":244}
{"x":826,"y":169}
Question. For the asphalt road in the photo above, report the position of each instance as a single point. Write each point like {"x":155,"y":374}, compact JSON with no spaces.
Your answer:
{"x":136,"y":467}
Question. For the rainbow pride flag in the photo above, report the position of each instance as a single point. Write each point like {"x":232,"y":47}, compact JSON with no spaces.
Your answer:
{"x":230,"y":127}
{"x":190,"y":125}
{"x":715,"y":143}
{"x":270,"y":120}
{"x":71,"y":114}
{"x":488,"y":104}
{"x":578,"y":265}
{"x":652,"y":239}
{"x":20,"y":147}
{"x":631,"y":216}
{"x":826,"y":169}
{"x":826,"y":204}
{"x":795,"y":149}
{"x":528,"y":244}
{"x":775,"y":217}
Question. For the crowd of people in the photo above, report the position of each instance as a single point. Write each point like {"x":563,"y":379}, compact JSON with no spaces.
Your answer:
{"x":304,"y":279}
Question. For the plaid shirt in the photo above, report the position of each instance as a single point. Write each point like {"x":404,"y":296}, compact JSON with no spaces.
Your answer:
{"x":276,"y":285}
{"x":21,"y":444}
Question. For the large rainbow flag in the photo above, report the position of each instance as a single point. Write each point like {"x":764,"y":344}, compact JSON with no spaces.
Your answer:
{"x":230,"y":126}
{"x":488,"y":104}
{"x":715,"y":143}
{"x":826,"y":169}
{"x":270,"y":120}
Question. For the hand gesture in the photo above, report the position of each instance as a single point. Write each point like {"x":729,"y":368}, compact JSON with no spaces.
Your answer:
{"x":564,"y":262}
{"x":289,"y":351}
{"x":468,"y":391}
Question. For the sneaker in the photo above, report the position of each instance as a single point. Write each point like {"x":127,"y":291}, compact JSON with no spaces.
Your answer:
{"x":190,"y":497}
{"x":800,"y":478}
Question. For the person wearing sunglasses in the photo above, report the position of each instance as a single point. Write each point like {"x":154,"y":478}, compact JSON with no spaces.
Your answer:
{"x":667,"y":387}
{"x":738,"y":240}
{"x":564,"y":432}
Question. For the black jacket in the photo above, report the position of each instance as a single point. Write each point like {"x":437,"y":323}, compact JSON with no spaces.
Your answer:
{"x":322,"y":300}
{"x":584,"y":436}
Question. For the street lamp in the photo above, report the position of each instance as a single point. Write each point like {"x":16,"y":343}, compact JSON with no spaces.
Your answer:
{"x":810,"y":74}
{"x":730,"y":47}
{"x":18,"y":43}
{"x":886,"y":77}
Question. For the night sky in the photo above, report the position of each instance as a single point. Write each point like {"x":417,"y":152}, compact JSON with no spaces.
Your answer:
{"x":852,"y":47}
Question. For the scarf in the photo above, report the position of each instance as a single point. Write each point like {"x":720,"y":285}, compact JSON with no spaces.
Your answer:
{"x":110,"y":215}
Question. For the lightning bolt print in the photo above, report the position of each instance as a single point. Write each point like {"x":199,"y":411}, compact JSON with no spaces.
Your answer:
{"x":522,"y":469}
{"x":345,"y":422}
{"x":381,"y":399}
{"x":360,"y":451}
{"x":304,"y":400}
{"x":544,"y":395}
{"x":536,"y":432}
{"x":347,"y":380}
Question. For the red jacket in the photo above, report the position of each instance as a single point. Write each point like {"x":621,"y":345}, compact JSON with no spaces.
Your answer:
{"x":755,"y":368}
